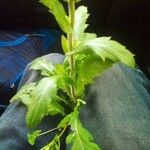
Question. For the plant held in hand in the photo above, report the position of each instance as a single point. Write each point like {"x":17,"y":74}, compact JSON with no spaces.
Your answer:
{"x":61,"y":90}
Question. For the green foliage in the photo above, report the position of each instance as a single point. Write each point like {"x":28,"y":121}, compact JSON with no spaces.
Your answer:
{"x":57,"y":9}
{"x":81,"y":16}
{"x":41,"y":104}
{"x":79,"y":136}
{"x":64,"y":43}
{"x":54,"y":145}
{"x":32,"y":137}
{"x":85,"y":76}
{"x":106,"y":48}
{"x":44,"y":66}
{"x":61,"y":87}
{"x":64,"y":79}
{"x":80,"y":25}
{"x":24,"y":94}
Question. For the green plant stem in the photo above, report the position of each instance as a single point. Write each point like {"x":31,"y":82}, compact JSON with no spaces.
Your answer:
{"x":62,"y":132}
{"x":49,"y":131}
{"x":65,"y":101}
{"x":54,"y":129}
{"x":59,"y":136}
{"x":71,"y":7}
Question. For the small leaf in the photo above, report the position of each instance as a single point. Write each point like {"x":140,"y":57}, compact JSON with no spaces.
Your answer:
{"x":43,"y":65}
{"x":64,"y":79}
{"x":32,"y":137}
{"x":79,"y":35}
{"x":24,"y":94}
{"x":64,"y":121}
{"x":81,"y":139}
{"x":88,"y":36}
{"x":64,"y":43}
{"x":80,"y":25}
{"x":57,"y":9}
{"x":53,"y":145}
{"x":106,"y":48}
{"x":55,"y":108}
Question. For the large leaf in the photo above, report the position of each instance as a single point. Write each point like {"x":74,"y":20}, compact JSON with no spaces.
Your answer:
{"x":44,"y":66}
{"x":24,"y":94}
{"x":80,"y":138}
{"x":104,"y":47}
{"x":42,"y":96}
{"x":57,"y":9}
{"x":87,"y":69}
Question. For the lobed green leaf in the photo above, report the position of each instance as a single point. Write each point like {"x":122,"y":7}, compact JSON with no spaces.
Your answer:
{"x":32,"y":137}
{"x":44,"y":66}
{"x":87,"y":69}
{"x":57,"y":9}
{"x":104,"y":47}
{"x":79,"y":136}
{"x":42,"y":96}
{"x":55,"y":108}
{"x":79,"y":35}
{"x":80,"y":25}
{"x":64,"y":79}
{"x":24,"y":94}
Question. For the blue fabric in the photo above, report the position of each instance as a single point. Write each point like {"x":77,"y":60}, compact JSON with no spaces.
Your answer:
{"x":13,"y":43}
{"x":49,"y":37}
{"x":16,"y":51}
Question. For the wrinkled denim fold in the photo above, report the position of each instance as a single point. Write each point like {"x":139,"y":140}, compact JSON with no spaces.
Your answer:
{"x":118,"y":109}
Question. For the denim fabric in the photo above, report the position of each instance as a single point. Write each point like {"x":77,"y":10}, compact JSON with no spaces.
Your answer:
{"x":117,"y":112}
{"x":118,"y":109}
